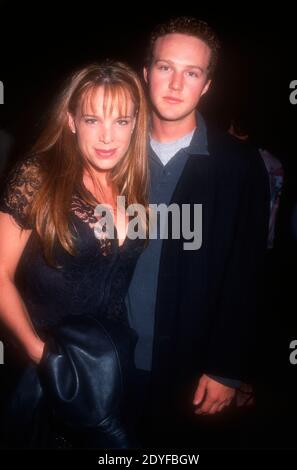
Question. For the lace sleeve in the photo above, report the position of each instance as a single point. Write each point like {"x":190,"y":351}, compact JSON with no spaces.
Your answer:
{"x":20,"y":188}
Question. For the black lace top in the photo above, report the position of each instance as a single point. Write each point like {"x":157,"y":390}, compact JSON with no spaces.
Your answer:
{"x":94,"y":281}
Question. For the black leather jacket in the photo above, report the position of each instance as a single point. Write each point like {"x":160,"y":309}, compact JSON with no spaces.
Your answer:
{"x":79,"y":386}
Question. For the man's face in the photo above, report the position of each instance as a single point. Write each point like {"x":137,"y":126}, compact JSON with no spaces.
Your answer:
{"x":177,"y":77}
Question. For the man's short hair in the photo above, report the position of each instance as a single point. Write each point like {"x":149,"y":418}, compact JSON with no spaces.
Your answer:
{"x":190,"y":26}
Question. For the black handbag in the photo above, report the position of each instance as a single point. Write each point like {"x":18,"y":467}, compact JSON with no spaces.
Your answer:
{"x":74,"y":397}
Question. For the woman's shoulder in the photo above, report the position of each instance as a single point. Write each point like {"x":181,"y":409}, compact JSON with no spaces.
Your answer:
{"x":28,"y":168}
{"x":20,"y":188}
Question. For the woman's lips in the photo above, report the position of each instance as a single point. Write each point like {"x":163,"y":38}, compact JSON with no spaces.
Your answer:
{"x":171,"y":99}
{"x":105,"y":153}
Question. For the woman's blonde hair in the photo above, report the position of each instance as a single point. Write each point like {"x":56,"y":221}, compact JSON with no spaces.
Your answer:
{"x":62,"y":165}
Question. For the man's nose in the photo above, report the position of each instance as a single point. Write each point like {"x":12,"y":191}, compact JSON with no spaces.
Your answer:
{"x":176,"y":82}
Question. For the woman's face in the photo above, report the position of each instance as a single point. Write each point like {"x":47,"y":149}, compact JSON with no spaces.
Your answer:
{"x":103,"y":126}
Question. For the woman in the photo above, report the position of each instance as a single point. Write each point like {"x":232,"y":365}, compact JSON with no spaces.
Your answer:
{"x":55,"y":265}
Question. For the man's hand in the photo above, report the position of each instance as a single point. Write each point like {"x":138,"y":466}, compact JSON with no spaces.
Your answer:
{"x":211,"y":396}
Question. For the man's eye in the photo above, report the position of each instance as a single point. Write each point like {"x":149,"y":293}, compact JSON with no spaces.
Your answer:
{"x":193,"y":74}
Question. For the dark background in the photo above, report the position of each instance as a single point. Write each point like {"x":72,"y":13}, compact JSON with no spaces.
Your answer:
{"x":41,"y":43}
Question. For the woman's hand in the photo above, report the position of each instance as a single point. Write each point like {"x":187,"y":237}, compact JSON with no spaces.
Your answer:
{"x":35,"y":350}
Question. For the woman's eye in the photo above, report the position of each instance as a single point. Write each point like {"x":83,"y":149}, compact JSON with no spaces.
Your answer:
{"x":90,"y":121}
{"x":165,"y":68}
{"x":123,"y":122}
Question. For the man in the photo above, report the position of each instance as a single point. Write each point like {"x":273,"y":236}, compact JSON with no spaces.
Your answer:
{"x":194,"y":310}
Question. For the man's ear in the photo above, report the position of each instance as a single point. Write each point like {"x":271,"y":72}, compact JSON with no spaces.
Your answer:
{"x":206,"y":87}
{"x":71,"y":123}
{"x":145,"y":74}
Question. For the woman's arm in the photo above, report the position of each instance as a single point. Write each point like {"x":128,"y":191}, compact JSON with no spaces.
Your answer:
{"x":13,"y":312}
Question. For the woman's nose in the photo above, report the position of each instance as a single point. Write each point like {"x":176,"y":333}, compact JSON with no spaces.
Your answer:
{"x":105,"y":135}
